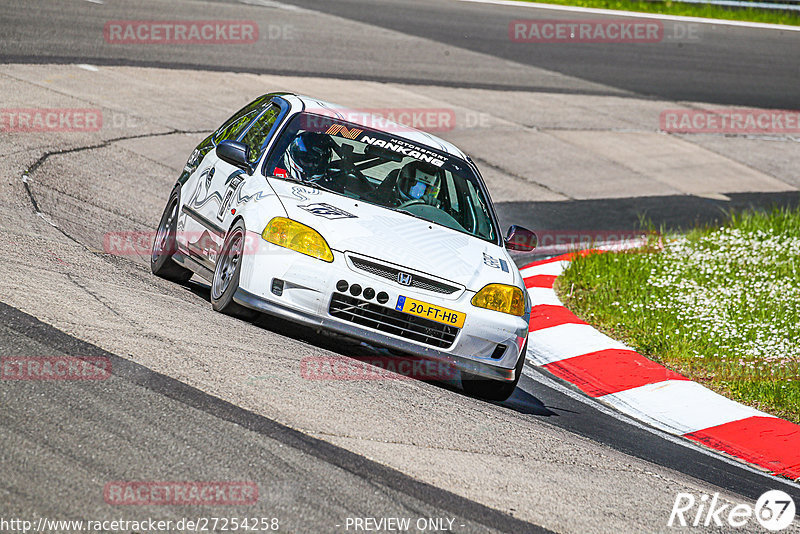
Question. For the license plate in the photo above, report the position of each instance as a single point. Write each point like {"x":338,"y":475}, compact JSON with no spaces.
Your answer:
{"x":429,"y":311}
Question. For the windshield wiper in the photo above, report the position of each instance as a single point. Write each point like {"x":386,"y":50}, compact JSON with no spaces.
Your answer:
{"x":409,"y":213}
{"x":313,"y":185}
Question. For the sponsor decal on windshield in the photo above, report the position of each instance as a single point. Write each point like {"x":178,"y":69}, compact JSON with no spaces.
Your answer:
{"x":407,"y":149}
{"x":394,"y":120}
{"x":328,"y":211}
{"x":339,"y":129}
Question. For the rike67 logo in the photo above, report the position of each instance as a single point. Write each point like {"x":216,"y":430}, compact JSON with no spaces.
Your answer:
{"x":774,"y":510}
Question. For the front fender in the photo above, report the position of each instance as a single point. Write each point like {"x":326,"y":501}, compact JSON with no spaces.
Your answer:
{"x":255,"y":202}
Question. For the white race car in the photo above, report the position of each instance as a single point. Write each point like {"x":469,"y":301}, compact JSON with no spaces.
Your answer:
{"x":298,"y":208}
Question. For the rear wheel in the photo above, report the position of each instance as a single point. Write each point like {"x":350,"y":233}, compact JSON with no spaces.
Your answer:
{"x":494,"y":390}
{"x":164,"y":246}
{"x":226,"y":275}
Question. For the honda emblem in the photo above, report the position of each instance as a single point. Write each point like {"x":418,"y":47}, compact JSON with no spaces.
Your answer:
{"x":404,"y":279}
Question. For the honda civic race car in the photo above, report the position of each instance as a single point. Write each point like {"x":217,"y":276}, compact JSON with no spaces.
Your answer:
{"x":303,"y":210}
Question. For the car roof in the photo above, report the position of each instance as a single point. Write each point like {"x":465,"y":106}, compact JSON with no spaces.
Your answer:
{"x":369,"y":120}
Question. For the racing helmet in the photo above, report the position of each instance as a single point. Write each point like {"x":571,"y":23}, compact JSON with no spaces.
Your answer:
{"x":308,"y":156}
{"x":418,"y":180}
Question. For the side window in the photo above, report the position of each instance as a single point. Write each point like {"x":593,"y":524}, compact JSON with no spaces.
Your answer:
{"x":236,"y":124}
{"x":256,"y":136}
{"x":477,"y":206}
{"x":452,"y":195}
{"x":232,"y":130}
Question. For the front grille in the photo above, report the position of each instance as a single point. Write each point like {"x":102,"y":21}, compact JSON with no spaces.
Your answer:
{"x":392,"y":321}
{"x":390,"y":273}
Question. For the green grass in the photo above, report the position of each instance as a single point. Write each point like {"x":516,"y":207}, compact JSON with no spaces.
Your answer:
{"x":719,"y":305}
{"x":791,"y":18}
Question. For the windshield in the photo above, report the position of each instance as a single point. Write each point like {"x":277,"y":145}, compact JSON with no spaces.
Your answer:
{"x":385,"y":170}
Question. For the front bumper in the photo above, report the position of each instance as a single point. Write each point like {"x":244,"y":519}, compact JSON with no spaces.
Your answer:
{"x":308,"y":285}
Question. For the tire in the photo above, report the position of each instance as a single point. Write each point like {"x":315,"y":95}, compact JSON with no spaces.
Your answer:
{"x":493,"y":390}
{"x":164,"y":246}
{"x":226,"y":275}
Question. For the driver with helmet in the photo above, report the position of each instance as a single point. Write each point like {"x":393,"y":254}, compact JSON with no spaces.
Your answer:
{"x":418,"y":183}
{"x":309,"y":156}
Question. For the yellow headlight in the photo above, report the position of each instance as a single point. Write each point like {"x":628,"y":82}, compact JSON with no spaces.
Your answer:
{"x":502,"y":298}
{"x":298,"y":237}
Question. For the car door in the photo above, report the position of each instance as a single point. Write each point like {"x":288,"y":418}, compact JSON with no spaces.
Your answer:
{"x":204,"y":234}
{"x":219,"y":181}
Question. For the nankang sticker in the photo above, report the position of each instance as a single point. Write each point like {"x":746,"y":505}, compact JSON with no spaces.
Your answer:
{"x":338,"y":129}
{"x":328,"y":211}
{"x":406,"y":149}
{"x":495,"y":262}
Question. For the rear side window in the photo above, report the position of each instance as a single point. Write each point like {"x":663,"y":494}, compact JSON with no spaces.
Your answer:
{"x":256,"y":136}
{"x":234,"y":126}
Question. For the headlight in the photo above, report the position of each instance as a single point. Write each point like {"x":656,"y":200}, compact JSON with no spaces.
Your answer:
{"x":502,"y":298}
{"x":298,"y":237}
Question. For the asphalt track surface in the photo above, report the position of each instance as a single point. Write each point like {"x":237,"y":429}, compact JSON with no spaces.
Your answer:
{"x":146,"y":423}
{"x":741,"y":67}
{"x":383,"y":41}
{"x":308,"y":480}
{"x":719,"y":64}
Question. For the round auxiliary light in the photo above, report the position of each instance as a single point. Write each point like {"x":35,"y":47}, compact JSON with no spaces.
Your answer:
{"x":355,"y":290}
{"x":369,"y":293}
{"x":341,"y":286}
{"x":383,"y":298}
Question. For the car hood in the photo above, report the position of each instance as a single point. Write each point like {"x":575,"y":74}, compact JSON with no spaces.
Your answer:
{"x":350,"y":225}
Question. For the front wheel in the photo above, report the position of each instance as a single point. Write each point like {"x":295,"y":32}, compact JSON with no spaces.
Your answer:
{"x":493,"y":390}
{"x":226,"y":275}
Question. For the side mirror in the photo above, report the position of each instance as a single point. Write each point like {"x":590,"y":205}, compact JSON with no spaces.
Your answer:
{"x":521,"y":239}
{"x":235,"y":153}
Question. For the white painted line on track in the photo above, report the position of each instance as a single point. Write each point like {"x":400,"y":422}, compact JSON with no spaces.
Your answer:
{"x":271,"y":3}
{"x":542,"y":377}
{"x":635,"y":14}
{"x":564,"y":341}
{"x":543,"y":295}
{"x":679,"y":406}
{"x":554,"y":268}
